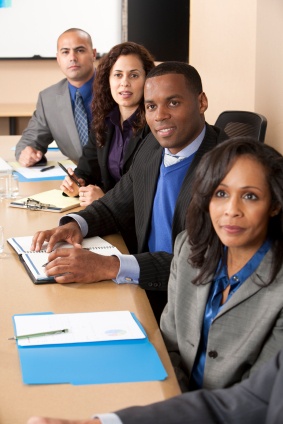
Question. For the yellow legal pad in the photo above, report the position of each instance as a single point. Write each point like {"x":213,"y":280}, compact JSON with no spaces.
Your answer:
{"x":49,"y":201}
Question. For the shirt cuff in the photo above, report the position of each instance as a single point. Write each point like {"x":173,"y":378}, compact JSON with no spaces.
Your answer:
{"x":129,"y":271}
{"x":80,"y":221}
{"x":108,"y":418}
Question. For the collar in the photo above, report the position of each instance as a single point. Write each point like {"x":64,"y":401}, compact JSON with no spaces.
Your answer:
{"x":247,"y":270}
{"x":85,"y":89}
{"x":191,"y":148}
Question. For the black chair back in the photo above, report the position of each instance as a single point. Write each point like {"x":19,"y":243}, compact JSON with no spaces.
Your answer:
{"x":241,"y":123}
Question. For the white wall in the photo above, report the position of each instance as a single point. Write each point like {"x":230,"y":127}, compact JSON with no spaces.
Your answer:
{"x":31,"y":27}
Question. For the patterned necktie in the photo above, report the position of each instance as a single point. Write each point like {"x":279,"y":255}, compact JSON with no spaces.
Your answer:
{"x":171,"y":159}
{"x":81,"y":119}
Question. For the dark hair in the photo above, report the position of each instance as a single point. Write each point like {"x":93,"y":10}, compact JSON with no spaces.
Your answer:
{"x":191,"y":75}
{"x":78,"y":30}
{"x":206,"y":247}
{"x":103,"y":101}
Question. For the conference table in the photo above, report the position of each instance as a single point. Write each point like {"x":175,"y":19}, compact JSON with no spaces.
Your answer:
{"x":18,"y":295}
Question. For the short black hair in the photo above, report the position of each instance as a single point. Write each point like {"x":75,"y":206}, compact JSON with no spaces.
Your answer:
{"x":191,"y":75}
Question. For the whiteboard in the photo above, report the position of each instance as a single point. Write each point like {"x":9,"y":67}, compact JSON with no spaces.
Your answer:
{"x":31,"y":27}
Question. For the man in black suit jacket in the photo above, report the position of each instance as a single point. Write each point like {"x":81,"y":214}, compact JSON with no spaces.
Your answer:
{"x":175,"y":105}
{"x":257,"y":400}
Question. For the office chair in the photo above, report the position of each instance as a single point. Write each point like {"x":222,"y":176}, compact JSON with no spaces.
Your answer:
{"x":236,"y":123}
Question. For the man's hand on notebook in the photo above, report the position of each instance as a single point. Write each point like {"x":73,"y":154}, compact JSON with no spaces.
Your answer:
{"x":78,"y":265}
{"x":69,"y":232}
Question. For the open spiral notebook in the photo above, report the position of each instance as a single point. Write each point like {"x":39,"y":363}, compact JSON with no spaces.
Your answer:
{"x":34,"y":261}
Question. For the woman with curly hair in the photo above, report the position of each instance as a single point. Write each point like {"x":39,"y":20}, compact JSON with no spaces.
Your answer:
{"x":118,"y":122}
{"x":224,"y":316}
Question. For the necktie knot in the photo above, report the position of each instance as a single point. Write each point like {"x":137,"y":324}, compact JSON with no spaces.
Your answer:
{"x":172,"y":159}
{"x":81,"y":118}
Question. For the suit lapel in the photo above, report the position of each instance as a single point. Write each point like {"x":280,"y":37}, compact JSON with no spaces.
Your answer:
{"x":202,"y":295}
{"x":65,"y":108}
{"x":106,"y":147}
{"x":131,"y":148}
{"x":150,"y":178}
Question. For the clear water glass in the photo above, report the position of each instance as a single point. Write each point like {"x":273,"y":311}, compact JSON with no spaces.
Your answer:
{"x":14,"y":185}
{"x":2,"y":241}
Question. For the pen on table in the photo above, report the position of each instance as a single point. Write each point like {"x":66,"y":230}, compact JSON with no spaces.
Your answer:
{"x":71,"y":176}
{"x":47,"y":168}
{"x":46,"y":333}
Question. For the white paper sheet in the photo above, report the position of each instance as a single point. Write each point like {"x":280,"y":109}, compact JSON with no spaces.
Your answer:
{"x":82,"y":327}
{"x":35,"y":171}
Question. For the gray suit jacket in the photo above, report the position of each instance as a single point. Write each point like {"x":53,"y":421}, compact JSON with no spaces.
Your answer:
{"x":246,"y":332}
{"x":53,"y":119}
{"x":257,"y":400}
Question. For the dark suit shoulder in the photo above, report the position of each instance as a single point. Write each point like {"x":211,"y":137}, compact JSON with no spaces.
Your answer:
{"x":147,"y":147}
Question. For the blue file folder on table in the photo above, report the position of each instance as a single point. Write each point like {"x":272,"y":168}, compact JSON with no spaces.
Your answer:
{"x":118,"y":361}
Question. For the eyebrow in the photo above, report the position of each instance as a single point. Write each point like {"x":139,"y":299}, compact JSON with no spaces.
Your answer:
{"x":72,"y":48}
{"x":243,"y":188}
{"x":131,"y":70}
{"x":174,"y":96}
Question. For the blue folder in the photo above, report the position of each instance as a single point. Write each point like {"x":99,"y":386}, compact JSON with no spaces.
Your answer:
{"x":92,"y":363}
{"x":23,"y":179}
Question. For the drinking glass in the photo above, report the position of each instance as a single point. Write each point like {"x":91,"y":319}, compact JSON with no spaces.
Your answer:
{"x":2,"y":187}
{"x":2,"y":241}
{"x":14,"y":185}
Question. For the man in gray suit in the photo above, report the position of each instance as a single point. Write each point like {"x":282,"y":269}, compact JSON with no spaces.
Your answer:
{"x":53,"y":118}
{"x":151,"y":199}
{"x":257,"y":400}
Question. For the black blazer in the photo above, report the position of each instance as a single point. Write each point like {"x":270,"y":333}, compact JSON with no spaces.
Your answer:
{"x":127,"y":209}
{"x":93,"y":164}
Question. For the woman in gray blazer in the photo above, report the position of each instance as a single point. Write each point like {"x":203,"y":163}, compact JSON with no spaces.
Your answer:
{"x":118,"y":122}
{"x":224,"y":316}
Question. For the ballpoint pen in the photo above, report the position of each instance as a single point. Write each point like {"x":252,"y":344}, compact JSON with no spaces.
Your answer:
{"x":71,"y":176}
{"x":47,"y":168}
{"x":46,"y":333}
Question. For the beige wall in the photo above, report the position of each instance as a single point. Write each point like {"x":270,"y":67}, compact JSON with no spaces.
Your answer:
{"x":21,"y":81}
{"x":236,"y":47}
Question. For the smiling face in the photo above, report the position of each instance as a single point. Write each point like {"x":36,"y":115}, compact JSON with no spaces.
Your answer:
{"x":241,"y":207}
{"x":174,"y":112}
{"x":126,"y":81}
{"x":76,"y":57}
